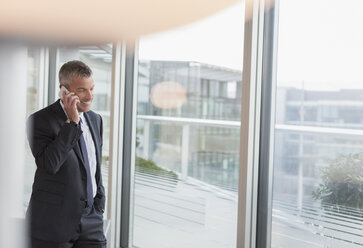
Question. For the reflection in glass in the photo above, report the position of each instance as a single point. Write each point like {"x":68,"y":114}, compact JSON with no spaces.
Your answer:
{"x":212,"y":92}
{"x":317,"y":192}
{"x":187,"y":138}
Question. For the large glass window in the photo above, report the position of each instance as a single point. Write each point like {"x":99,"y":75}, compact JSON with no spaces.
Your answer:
{"x":99,"y":59}
{"x":187,"y":138}
{"x":318,"y":159}
{"x":34,"y":102}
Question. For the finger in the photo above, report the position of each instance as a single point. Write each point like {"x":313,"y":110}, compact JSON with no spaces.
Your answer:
{"x":69,"y":98}
{"x":65,"y":98}
{"x":74,"y":101}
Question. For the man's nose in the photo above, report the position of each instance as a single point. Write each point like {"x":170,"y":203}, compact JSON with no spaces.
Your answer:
{"x":89,"y":94}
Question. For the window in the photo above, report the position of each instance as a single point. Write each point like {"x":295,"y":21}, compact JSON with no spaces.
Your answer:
{"x":187,"y":138}
{"x":99,"y":59}
{"x":318,"y":159}
{"x":34,"y":102}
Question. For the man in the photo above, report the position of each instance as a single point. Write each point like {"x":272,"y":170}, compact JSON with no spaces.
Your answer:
{"x":68,"y":199}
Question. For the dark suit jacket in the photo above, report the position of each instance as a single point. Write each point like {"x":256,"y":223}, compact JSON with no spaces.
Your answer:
{"x":60,"y":188}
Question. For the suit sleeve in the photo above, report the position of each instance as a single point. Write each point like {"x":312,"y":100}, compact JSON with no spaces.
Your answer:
{"x":50,"y":149}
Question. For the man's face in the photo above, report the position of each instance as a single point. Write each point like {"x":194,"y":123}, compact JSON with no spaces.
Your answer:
{"x":83,"y":88}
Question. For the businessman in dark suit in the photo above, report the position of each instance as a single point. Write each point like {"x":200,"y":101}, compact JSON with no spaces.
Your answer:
{"x":68,"y":199}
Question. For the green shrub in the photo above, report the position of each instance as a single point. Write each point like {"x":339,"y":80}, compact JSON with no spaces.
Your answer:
{"x":342,"y":182}
{"x":144,"y":165}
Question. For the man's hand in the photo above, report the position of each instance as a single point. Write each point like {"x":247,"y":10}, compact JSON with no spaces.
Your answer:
{"x":70,"y":102}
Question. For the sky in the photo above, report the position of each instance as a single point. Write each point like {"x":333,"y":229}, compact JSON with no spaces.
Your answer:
{"x":320,"y":43}
{"x":217,"y":40}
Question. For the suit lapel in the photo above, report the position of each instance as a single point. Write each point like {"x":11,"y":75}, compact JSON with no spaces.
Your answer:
{"x":59,"y":112}
{"x":77,"y":150}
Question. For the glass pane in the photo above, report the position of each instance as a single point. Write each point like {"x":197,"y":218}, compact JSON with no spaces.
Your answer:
{"x":318,"y":159}
{"x":187,"y":139}
{"x":99,"y":59}
{"x":33,"y":103}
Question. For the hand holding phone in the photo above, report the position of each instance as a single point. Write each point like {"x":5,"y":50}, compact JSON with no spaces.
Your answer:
{"x":70,"y":101}
{"x":63,"y":89}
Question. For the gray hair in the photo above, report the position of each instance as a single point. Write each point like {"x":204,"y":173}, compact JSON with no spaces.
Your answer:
{"x":71,"y":69}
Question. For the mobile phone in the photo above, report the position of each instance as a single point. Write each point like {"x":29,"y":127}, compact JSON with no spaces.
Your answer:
{"x":61,"y":92}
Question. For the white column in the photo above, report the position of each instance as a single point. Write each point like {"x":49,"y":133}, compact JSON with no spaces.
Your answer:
{"x":13,"y":74}
{"x":185,"y":152}
{"x":300,"y":192}
{"x":146,"y":141}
